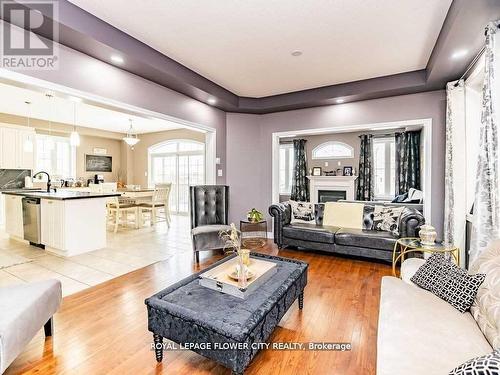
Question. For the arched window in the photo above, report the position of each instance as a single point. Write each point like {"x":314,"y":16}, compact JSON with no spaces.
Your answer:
{"x":180,"y":162}
{"x":333,"y":150}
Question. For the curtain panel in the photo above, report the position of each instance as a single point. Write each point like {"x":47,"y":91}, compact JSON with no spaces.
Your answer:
{"x":365,"y":182}
{"x":455,"y":205}
{"x":407,"y":161}
{"x":486,"y":213}
{"x":300,"y":184}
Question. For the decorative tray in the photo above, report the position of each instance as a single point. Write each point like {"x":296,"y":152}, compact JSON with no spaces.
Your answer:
{"x":219,"y":279}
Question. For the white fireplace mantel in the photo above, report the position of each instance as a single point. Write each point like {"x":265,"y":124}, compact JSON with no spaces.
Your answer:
{"x":333,"y":183}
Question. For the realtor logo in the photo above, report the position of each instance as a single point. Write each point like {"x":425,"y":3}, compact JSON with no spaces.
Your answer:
{"x":29,"y":34}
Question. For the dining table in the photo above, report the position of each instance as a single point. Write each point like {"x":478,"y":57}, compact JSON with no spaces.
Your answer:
{"x":136,"y":196}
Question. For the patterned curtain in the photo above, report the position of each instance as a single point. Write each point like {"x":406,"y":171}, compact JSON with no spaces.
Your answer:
{"x":300,"y":186}
{"x":455,"y":178}
{"x":485,"y":224}
{"x":407,"y":161}
{"x":365,"y":183}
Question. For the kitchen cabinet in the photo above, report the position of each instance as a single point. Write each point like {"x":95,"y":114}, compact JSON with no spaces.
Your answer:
{"x":14,"y":216}
{"x":52,"y":225}
{"x":13,"y":154}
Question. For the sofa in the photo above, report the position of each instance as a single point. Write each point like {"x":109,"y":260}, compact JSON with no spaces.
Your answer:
{"x":341,"y":240}
{"x":24,"y":310}
{"x":420,"y":334}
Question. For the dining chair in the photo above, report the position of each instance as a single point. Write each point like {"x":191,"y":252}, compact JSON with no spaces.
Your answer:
{"x":119,"y":211}
{"x":160,"y":200}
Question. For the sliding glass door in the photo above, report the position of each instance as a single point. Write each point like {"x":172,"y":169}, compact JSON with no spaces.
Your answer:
{"x":181,"y":163}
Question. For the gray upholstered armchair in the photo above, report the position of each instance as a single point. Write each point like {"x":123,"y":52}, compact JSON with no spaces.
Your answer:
{"x":209,"y":215}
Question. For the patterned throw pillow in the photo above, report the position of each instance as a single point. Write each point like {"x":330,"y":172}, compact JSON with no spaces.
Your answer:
{"x":448,"y":281}
{"x":428,"y":275}
{"x":488,"y":364}
{"x":302,"y":212}
{"x":386,"y":218}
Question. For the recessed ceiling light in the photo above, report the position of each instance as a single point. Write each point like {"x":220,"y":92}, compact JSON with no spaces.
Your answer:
{"x":459,"y":54}
{"x":117,"y":59}
{"x":340,"y":101}
{"x":211,"y":101}
{"x":296,"y":53}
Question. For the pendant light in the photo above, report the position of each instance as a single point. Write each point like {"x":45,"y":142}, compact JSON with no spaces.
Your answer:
{"x":74,"y":138}
{"x":28,"y":142}
{"x":131,"y":137}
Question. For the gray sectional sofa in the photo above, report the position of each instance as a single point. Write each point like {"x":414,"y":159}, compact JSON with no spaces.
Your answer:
{"x":363,"y":243}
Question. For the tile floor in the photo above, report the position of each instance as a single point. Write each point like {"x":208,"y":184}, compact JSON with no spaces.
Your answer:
{"x":127,"y":250}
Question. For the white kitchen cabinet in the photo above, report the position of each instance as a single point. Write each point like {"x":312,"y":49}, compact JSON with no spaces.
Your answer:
{"x":9,"y":147}
{"x":14,"y":215}
{"x":52,"y":225}
{"x":13,"y":154}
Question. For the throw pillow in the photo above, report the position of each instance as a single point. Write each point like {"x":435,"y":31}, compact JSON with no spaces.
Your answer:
{"x":386,"y":218}
{"x":488,"y":364}
{"x":428,"y":274}
{"x":448,"y":281}
{"x":344,"y":215}
{"x":302,"y":212}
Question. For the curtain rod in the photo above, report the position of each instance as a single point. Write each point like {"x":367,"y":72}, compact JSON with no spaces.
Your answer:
{"x":471,"y":65}
{"x":474,"y":60}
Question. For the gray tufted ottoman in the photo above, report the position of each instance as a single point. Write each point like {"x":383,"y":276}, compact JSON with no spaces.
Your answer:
{"x":188,"y":313}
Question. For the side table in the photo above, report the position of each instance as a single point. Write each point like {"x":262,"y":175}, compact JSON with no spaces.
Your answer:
{"x":407,"y":245}
{"x":253,"y":234}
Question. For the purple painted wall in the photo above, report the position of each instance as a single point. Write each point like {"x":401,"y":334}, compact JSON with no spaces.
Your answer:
{"x":244,"y":131}
{"x":81,"y":72}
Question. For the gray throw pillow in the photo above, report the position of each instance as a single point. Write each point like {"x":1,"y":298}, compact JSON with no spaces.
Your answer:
{"x":448,"y":281}
{"x":488,"y":364}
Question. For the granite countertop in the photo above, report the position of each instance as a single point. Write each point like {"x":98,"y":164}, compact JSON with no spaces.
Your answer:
{"x":142,"y":190}
{"x":61,"y":195}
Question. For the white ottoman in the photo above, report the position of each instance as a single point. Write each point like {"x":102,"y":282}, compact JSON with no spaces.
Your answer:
{"x":24,"y":310}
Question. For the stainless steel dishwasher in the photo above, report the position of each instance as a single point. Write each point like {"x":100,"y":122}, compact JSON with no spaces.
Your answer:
{"x":32,"y":221}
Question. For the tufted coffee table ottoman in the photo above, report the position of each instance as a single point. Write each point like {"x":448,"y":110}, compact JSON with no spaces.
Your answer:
{"x":188,"y":313}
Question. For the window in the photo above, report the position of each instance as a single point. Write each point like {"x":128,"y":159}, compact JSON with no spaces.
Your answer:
{"x":56,"y":156}
{"x":181,"y":163}
{"x":286,"y":168}
{"x":384,"y":167}
{"x":333,"y":150}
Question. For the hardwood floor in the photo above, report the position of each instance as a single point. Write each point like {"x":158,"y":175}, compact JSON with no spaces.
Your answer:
{"x":103,"y":329}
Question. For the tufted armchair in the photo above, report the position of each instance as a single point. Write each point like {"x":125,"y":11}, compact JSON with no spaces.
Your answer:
{"x":209,"y":215}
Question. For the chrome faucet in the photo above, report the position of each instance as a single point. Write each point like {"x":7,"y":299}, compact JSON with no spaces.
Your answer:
{"x":48,"y":179}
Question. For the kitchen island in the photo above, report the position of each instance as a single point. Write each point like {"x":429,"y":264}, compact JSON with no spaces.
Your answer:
{"x":69,"y":223}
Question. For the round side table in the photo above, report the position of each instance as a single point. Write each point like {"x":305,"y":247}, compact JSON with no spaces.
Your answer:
{"x":253,"y":234}
{"x":407,"y":245}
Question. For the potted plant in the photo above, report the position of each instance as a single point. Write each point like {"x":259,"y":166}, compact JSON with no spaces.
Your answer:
{"x":255,"y":216}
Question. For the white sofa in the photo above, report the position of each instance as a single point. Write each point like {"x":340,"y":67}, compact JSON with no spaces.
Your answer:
{"x":24,"y":310}
{"x":418,"y":333}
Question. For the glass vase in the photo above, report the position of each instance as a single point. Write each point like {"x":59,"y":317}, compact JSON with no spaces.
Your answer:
{"x":242,"y":272}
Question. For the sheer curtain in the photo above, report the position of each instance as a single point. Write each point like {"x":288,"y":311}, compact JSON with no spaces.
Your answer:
{"x":455,"y":209}
{"x":300,"y":186}
{"x":485,"y":224}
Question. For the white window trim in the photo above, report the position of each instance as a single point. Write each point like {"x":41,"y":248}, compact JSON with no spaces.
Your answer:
{"x":386,"y":141}
{"x":152,"y":154}
{"x":288,"y":146}
{"x":72,"y":153}
{"x":351,"y":149}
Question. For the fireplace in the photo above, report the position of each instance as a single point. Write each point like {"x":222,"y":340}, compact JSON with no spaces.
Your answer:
{"x":332,"y":188}
{"x":331,"y":195}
